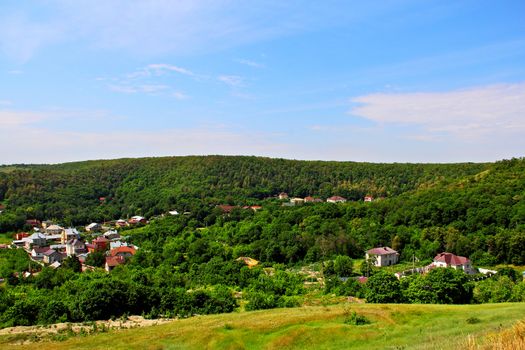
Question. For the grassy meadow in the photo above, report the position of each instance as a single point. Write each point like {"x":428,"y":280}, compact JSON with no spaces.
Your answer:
{"x":320,"y":327}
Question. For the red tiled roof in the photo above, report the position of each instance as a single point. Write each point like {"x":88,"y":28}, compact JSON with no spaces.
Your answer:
{"x":121,"y":250}
{"x":451,"y":259}
{"x":114,"y":260}
{"x":226,"y":208}
{"x":381,"y":251}
{"x":101,"y":239}
{"x":337,"y":198}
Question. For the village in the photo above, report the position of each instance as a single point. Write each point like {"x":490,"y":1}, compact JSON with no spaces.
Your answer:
{"x":49,"y":244}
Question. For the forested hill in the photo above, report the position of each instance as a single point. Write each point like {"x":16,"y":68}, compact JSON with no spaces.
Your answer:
{"x":72,"y":192}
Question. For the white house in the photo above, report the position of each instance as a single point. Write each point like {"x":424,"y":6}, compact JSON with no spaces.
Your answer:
{"x":453,"y":261}
{"x":336,"y":199}
{"x":94,"y":227}
{"x":383,"y":256}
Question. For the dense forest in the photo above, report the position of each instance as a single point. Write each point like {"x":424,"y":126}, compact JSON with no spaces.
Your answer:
{"x":187,"y":264}
{"x":71,"y":192}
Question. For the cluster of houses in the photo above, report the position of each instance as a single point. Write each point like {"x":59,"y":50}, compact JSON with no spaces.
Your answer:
{"x":386,"y":256}
{"x":50,"y":244}
{"x":297,"y":200}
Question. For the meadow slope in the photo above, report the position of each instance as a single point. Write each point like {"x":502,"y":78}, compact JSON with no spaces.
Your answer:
{"x":320,"y":327}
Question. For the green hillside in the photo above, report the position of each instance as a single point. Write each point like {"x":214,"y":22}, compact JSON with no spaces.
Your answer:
{"x":391,"y":327}
{"x":71,"y":192}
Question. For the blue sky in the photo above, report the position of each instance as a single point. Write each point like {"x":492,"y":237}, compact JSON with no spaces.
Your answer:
{"x":381,"y":81}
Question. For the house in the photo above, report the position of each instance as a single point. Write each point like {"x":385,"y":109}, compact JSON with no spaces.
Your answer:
{"x":111,"y":234}
{"x":173,"y":212}
{"x":226,"y":209}
{"x":368,"y":199}
{"x":51,"y":255}
{"x":114,"y":261}
{"x":336,"y":199}
{"x":98,"y":244}
{"x":36,"y":239}
{"x":297,"y":200}
{"x":124,"y":251}
{"x":54,"y":230}
{"x":75,"y":247}
{"x":70,"y":233}
{"x":121,"y":223}
{"x":4,"y":246}
{"x":37,"y":253}
{"x":383,"y":256}
{"x":255,"y":207}
{"x":283,"y":195}
{"x":94,"y":227}
{"x":137,"y":220}
{"x":453,"y":261}
{"x":21,"y":235}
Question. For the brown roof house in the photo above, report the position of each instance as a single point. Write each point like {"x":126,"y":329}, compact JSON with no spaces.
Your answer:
{"x":383,"y":256}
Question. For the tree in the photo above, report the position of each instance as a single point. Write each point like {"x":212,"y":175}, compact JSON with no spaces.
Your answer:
{"x":383,"y":287}
{"x":343,"y":266}
{"x":72,"y":262}
{"x":97,"y":259}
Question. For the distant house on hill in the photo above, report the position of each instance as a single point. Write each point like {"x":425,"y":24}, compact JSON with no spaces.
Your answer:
{"x":369,"y":199}
{"x":93,"y":227}
{"x":137,"y":220}
{"x":283,"y":195}
{"x":118,"y":256}
{"x":226,"y":209}
{"x":336,"y":199}
{"x":37,"y":253}
{"x":297,"y":200}
{"x":54,"y":230}
{"x":383,"y":256}
{"x":36,"y":239}
{"x":52,"y":256}
{"x":121,"y":223}
{"x":125,"y":251}
{"x":453,"y":261}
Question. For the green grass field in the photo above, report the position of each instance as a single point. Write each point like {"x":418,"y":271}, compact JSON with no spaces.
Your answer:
{"x":320,"y":327}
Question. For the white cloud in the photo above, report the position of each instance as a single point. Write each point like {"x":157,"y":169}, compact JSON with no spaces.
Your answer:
{"x":231,"y":80}
{"x":250,"y":63}
{"x":467,"y":114}
{"x":161,"y":68}
{"x":179,"y":95}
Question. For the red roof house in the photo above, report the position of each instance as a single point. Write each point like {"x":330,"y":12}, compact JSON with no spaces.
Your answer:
{"x":336,"y":199}
{"x":451,"y":260}
{"x":124,"y":251}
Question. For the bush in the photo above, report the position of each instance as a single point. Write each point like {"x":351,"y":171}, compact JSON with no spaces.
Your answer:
{"x":355,"y":319}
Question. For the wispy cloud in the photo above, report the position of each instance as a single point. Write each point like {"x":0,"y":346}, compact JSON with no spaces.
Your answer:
{"x":231,"y":80}
{"x":146,"y":80}
{"x":5,"y":103}
{"x":150,"y":28}
{"x":15,"y":72}
{"x":467,"y":114}
{"x":250,"y":63}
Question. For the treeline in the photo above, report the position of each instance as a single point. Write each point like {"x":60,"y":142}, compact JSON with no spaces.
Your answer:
{"x":71,"y":192}
{"x":142,"y":287}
